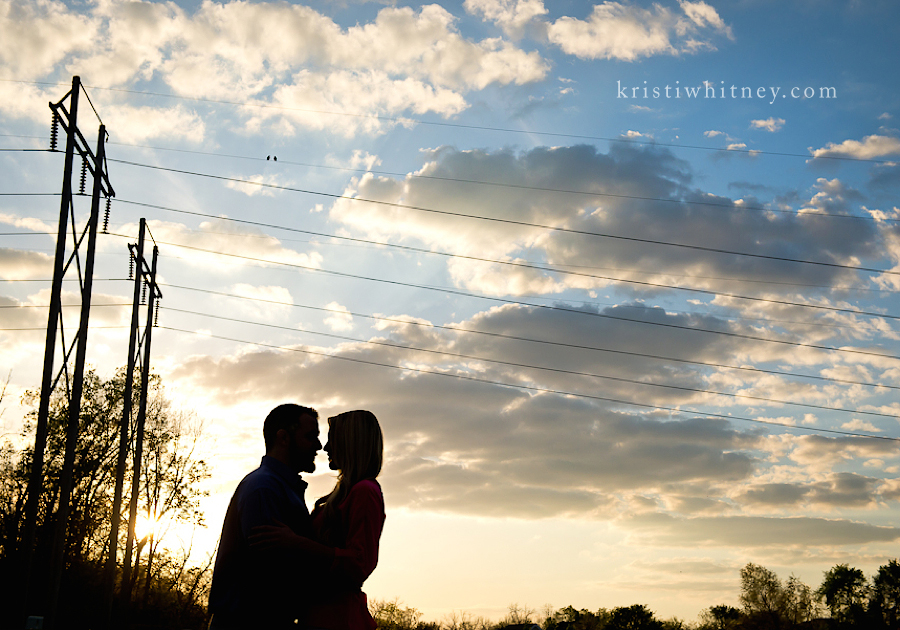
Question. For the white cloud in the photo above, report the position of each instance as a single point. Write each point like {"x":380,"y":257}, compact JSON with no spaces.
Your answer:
{"x":628,"y":32}
{"x":860,"y":425}
{"x":40,"y":34}
{"x":230,"y":238}
{"x":267,"y":302}
{"x":404,"y":59}
{"x":871,"y":147}
{"x":139,"y":124}
{"x":607,"y":184}
{"x":510,"y":15}
{"x":255,"y":185}
{"x":703,"y":14}
{"x":712,"y":133}
{"x":769,"y":124}
{"x":23,"y":264}
{"x":340,"y":321}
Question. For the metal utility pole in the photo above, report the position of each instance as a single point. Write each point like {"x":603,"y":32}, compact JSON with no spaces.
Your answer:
{"x":136,"y":253}
{"x":96,"y":165}
{"x":148,"y":274}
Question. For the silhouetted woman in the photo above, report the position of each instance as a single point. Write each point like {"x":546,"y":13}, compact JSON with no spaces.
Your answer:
{"x":350,"y":520}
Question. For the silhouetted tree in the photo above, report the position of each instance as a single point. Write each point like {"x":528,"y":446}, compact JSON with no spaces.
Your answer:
{"x":569,"y":618}
{"x":636,"y":617}
{"x":884,"y":603}
{"x":517,"y":615}
{"x":844,"y":590}
{"x":461,"y":620}
{"x":392,"y":615}
{"x":799,"y":603}
{"x":720,"y":617}
{"x":170,"y":478}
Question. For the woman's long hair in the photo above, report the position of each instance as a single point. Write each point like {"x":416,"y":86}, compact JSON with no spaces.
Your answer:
{"x":356,"y":435}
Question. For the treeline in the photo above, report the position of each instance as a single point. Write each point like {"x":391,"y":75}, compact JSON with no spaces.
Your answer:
{"x":166,"y":589}
{"x":846,"y":600}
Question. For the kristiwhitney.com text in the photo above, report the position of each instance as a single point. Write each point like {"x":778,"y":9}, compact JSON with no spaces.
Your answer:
{"x":710,"y":90}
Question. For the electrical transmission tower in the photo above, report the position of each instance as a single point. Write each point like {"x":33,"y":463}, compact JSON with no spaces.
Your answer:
{"x":144,"y":282}
{"x":84,"y":242}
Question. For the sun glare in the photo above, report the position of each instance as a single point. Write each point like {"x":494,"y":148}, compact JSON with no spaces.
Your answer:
{"x":148,"y":526}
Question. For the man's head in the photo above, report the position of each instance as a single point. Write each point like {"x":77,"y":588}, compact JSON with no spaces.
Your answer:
{"x":291,"y":433}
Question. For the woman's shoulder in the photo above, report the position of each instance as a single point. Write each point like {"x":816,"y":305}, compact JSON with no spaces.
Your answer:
{"x":366,"y":486}
{"x":366,"y":491}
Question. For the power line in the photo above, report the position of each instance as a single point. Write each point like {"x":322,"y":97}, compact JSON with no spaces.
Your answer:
{"x":856,"y":326}
{"x":513,"y":222}
{"x":436,"y":123}
{"x":535,"y":389}
{"x":538,"y":367}
{"x":536,"y":267}
{"x":457,"y":329}
{"x":93,"y":304}
{"x":530,"y":132}
{"x":428,"y":251}
{"x":694,"y":202}
{"x":531,"y":304}
{"x":45,"y":328}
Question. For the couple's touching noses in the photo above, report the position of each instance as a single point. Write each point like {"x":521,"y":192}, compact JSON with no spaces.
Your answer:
{"x":279,"y":566}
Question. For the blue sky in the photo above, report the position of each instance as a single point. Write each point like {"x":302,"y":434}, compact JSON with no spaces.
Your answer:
{"x":660,"y":359}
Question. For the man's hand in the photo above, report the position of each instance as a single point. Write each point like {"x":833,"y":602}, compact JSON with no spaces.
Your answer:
{"x":278,"y":536}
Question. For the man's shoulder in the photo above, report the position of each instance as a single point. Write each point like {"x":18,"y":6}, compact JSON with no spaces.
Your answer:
{"x":260,"y":478}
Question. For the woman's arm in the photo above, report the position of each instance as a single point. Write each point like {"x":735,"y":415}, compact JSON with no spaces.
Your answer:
{"x":282,"y":539}
{"x":364,"y":509}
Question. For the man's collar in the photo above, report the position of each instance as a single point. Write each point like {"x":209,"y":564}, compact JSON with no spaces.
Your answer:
{"x":284,"y":471}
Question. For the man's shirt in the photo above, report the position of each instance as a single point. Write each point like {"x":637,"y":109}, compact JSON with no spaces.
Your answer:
{"x":251,"y":588}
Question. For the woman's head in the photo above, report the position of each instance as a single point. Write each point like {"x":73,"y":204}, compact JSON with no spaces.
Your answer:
{"x":355,"y":445}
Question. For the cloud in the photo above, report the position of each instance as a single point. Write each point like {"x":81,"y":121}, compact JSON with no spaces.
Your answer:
{"x":627,"y":32}
{"x":535,"y":454}
{"x":860,"y":425}
{"x":39,"y":35}
{"x":837,"y":490}
{"x":295,"y":65}
{"x":510,"y":15}
{"x":631,"y":191}
{"x":769,"y":124}
{"x":256,"y":184}
{"x":870,"y":148}
{"x":24,"y":264}
{"x":340,"y":321}
{"x":749,"y":531}
{"x":200,"y":247}
{"x":139,"y":124}
{"x":265,"y":302}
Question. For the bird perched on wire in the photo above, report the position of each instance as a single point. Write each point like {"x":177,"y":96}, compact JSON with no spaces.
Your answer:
{"x":274,"y":158}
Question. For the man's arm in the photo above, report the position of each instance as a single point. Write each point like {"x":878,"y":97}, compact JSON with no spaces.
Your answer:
{"x":278,"y":537}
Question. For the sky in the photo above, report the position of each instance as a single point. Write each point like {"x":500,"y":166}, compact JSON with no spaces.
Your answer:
{"x":619,"y":279}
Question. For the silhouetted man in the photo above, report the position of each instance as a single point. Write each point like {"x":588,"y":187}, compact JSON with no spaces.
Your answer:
{"x":263,"y":588}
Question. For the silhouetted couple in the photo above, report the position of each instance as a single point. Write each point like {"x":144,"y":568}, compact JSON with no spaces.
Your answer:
{"x":278,"y":563}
